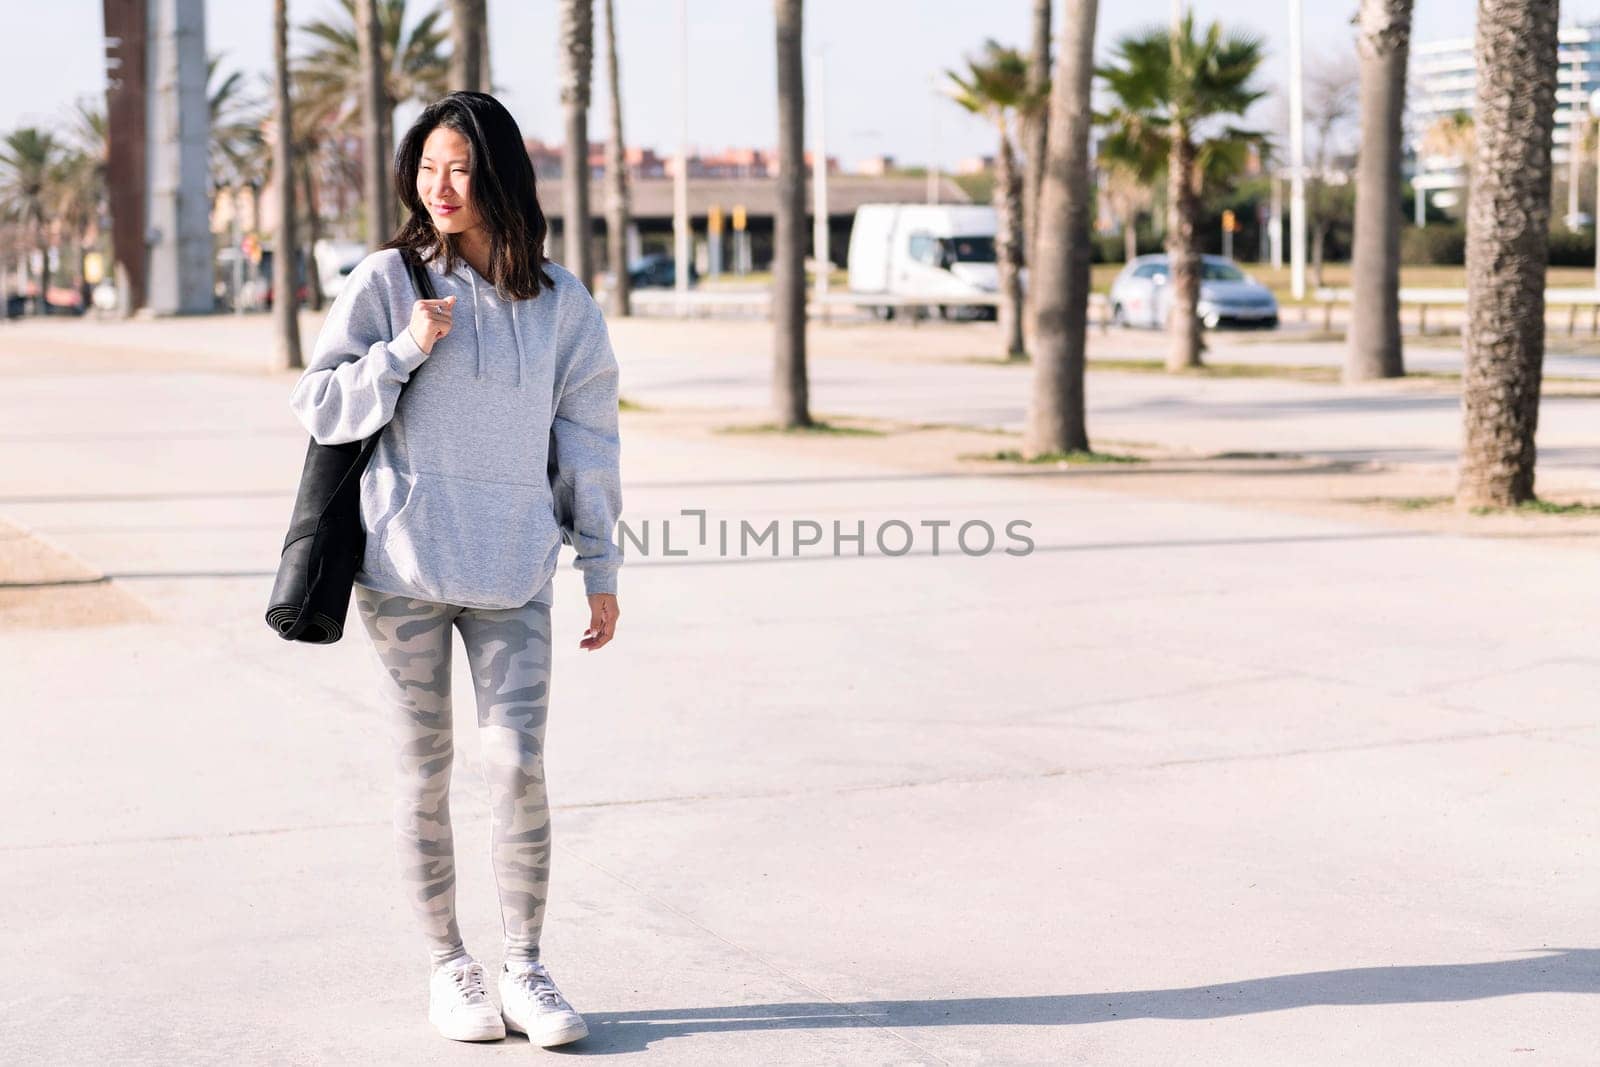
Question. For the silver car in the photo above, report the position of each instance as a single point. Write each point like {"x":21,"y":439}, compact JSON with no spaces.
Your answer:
{"x":1142,"y":294}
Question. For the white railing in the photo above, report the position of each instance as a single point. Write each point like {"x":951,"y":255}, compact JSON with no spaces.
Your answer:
{"x":701,"y":303}
{"x":1422,"y":299}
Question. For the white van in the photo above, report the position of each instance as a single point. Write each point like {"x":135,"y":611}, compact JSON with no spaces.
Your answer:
{"x":924,"y":251}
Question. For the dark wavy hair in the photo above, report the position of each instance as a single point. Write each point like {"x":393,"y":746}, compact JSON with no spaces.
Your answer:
{"x":503,"y":191}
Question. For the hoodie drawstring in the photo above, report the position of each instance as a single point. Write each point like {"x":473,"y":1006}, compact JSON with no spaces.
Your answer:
{"x":477,"y":329}
{"x":516,"y":332}
{"x":477,"y":326}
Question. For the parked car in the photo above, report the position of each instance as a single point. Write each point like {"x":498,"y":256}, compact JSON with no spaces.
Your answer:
{"x":936,"y":252}
{"x":1142,"y":295}
{"x":58,"y":300}
{"x":658,"y":270}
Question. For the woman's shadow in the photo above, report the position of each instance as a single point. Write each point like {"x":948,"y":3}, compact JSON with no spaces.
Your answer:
{"x":1571,"y":970}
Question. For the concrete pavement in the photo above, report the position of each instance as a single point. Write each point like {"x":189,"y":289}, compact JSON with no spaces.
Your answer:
{"x":1187,"y":783}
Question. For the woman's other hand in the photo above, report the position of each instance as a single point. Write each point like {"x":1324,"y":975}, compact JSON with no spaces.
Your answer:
{"x":430,"y":320}
{"x":603,"y":615}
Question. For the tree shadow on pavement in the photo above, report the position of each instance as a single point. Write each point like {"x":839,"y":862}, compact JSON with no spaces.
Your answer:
{"x":1572,"y":970}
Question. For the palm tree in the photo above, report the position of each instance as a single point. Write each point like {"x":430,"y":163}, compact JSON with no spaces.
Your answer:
{"x":331,"y":79}
{"x":415,"y":66}
{"x":79,"y":180}
{"x":999,"y":87}
{"x":577,"y":63}
{"x":377,"y":119}
{"x":618,"y":208}
{"x":1035,"y":138}
{"x":789,"y":386}
{"x":1127,"y":194}
{"x":1056,"y":417}
{"x":308,"y":165}
{"x":1452,"y":137}
{"x":29,"y":158}
{"x":237,"y":145}
{"x":1508,"y":244}
{"x":467,"y":44}
{"x":1383,"y":40}
{"x":285,"y":312}
{"x":1168,"y":89}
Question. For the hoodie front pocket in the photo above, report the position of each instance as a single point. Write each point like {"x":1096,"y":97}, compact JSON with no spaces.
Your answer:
{"x":472,"y":542}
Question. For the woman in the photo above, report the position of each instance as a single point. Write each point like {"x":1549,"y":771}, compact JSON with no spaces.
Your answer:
{"x":503,"y":446}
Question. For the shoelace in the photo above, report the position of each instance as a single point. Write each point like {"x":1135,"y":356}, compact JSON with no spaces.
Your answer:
{"x":470,"y":981}
{"x":539,"y":983}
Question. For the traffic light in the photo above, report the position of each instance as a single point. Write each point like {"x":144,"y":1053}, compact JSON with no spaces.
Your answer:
{"x":1229,"y":223}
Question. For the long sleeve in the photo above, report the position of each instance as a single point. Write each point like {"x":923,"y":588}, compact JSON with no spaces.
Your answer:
{"x":585,"y":453}
{"x":349,"y":389}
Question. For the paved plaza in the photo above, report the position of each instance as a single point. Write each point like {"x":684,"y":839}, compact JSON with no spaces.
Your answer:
{"x":1189,"y":782}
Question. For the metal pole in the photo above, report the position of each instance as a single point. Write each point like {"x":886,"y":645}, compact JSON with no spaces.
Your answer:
{"x":819,"y":189}
{"x":1275,"y":231}
{"x":1297,"y":153}
{"x":680,"y":180}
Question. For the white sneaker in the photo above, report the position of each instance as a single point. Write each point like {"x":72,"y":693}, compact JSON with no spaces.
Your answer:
{"x":459,"y":1003}
{"x":533,"y":1005}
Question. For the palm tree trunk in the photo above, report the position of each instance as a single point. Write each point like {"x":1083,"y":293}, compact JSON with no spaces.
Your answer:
{"x":308,"y":182}
{"x":1130,"y":236}
{"x":618,"y":210}
{"x":285,"y":314}
{"x":1060,"y":278}
{"x":44,"y":269}
{"x":1009,"y":237}
{"x":577,"y":62}
{"x":1508,"y":244}
{"x":1319,"y":244}
{"x":1383,"y":41}
{"x":374,"y":125}
{"x":485,"y":74}
{"x":1035,"y":133}
{"x":788,"y":263}
{"x":1183,"y":258}
{"x":466,"y":44}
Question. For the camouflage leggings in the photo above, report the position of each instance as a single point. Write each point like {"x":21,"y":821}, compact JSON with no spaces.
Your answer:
{"x":509,"y":654}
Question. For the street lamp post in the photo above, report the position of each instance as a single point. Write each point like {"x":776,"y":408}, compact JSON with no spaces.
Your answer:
{"x":1297,"y":154}
{"x":680,"y":180}
{"x":819,"y":189}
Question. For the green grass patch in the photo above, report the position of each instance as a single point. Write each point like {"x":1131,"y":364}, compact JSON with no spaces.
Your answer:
{"x":1077,"y":457}
{"x":1527,"y":507}
{"x":1407,"y":503}
{"x":624,"y":404}
{"x":818,"y":427}
{"x":1545,"y":507}
{"x":1221,"y":370}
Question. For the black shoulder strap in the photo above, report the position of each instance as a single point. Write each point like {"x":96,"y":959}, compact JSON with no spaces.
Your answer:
{"x":419,"y":275}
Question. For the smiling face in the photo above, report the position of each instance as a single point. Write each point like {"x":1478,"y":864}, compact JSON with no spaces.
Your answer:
{"x":444,"y":181}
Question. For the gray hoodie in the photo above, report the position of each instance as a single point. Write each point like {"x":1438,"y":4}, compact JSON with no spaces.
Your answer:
{"x":503,"y":446}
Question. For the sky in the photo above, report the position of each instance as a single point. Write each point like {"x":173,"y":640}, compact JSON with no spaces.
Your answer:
{"x":878,"y":62}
